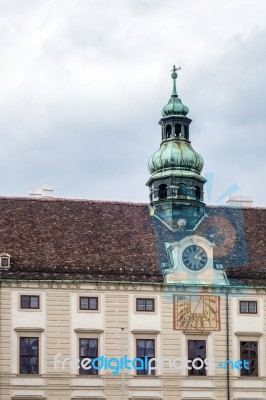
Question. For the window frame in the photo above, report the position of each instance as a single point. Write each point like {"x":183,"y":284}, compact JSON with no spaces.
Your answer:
{"x":248,"y":309}
{"x":7,"y":257}
{"x":36,"y":337}
{"x":145,"y":299}
{"x":89,"y":298}
{"x":30,"y":297}
{"x":83,"y":357}
{"x":250,"y":340}
{"x":190,"y":371}
{"x":138,"y":372}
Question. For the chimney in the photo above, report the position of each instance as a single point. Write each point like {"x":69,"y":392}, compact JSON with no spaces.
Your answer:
{"x":46,"y":191}
{"x":239,"y":201}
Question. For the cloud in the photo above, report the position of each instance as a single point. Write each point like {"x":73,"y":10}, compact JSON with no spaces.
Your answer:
{"x":83,"y":83}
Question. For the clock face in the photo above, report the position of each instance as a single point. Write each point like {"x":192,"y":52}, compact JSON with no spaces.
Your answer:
{"x":194,"y":257}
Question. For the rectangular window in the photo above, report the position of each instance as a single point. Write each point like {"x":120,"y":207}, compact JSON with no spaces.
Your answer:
{"x":145,"y":351}
{"x":29,"y":301}
{"x":249,"y":353}
{"x":248,"y":307}
{"x":4,"y":262}
{"x":145,"y":304}
{"x":88,"y":303}
{"x":197,"y":354}
{"x":29,"y":355}
{"x":88,"y":349}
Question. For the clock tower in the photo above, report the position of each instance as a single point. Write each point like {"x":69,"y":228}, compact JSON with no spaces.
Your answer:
{"x":176,"y":183}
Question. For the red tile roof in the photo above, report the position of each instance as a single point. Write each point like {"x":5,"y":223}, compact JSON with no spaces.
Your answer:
{"x":116,"y":241}
{"x":75,"y":239}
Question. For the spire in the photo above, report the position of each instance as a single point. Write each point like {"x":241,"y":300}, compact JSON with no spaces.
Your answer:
{"x":174,"y":76}
{"x":175,"y":105}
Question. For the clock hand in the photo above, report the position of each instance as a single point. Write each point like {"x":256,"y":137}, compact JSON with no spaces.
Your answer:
{"x":197,"y":256}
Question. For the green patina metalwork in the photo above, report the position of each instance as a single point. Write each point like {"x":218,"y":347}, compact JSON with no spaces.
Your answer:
{"x":175,"y":155}
{"x":176,"y":183}
{"x":175,"y":105}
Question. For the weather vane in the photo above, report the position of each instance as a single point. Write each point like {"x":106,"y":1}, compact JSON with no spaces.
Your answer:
{"x":175,"y":69}
{"x":174,"y":76}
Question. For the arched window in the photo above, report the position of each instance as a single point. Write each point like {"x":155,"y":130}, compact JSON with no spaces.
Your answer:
{"x":168,"y":131}
{"x":162,"y":192}
{"x":197,"y":193}
{"x":186,"y":132}
{"x":177,"y":130}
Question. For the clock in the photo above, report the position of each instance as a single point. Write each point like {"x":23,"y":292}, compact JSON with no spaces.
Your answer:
{"x":194,"y":257}
{"x":197,"y":313}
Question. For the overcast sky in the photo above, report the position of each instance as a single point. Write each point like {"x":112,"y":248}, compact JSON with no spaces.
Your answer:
{"x":83,"y":82}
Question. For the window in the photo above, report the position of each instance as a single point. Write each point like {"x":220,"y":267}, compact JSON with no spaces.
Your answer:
{"x":248,"y":307}
{"x":249,"y":353}
{"x":88,"y":348}
{"x":88,"y":303}
{"x":197,"y":350}
{"x":145,"y":304}
{"x":29,"y":355}
{"x":5,"y":260}
{"x":145,"y":351}
{"x":162,"y":192}
{"x":168,"y":131}
{"x":197,"y":193}
{"x":177,"y":130}
{"x":29,"y":301}
{"x":186,"y":132}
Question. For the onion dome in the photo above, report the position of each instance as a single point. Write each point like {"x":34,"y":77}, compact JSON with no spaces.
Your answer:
{"x":175,"y":155}
{"x":175,"y":105}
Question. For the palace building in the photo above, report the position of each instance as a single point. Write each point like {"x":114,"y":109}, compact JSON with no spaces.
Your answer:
{"x":115,"y":300}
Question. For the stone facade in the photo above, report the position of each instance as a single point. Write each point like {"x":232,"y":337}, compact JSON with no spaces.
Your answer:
{"x":59,"y":324}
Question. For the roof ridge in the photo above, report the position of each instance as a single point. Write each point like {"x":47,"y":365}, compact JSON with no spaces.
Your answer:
{"x":59,"y":199}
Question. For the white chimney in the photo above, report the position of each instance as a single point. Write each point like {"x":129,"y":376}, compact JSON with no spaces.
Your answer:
{"x":46,"y":191}
{"x":239,"y":201}
{"x":35,"y":192}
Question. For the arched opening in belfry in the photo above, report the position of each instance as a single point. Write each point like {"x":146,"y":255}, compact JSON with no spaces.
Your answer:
{"x":197,"y":193}
{"x":168,"y":131}
{"x":177,"y":130}
{"x":186,"y":132}
{"x":162,"y":191}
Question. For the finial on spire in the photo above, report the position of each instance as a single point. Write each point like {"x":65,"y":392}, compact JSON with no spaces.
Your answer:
{"x":174,"y":76}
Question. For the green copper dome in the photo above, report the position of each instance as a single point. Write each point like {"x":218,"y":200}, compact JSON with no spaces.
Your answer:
{"x":175,"y":105}
{"x":175,"y":155}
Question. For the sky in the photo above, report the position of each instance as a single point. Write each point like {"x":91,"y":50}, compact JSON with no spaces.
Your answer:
{"x":83,"y":82}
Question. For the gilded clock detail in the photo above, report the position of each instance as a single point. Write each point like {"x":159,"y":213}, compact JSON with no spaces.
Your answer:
{"x":196,"y":313}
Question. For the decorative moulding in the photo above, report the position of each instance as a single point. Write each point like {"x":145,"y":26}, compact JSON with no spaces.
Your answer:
{"x":197,"y":398}
{"x":148,"y":331}
{"x":88,"y":330}
{"x":27,"y":329}
{"x":248,"y":333}
{"x":88,"y":398}
{"x":145,"y":398}
{"x":28,"y":397}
